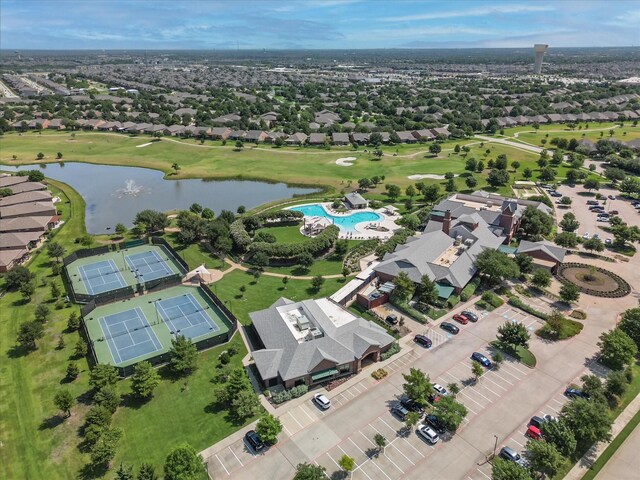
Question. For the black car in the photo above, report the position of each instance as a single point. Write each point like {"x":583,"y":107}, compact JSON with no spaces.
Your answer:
{"x":422,"y":340}
{"x":391,"y":319}
{"x":412,"y":405}
{"x":575,"y":393}
{"x":471,"y":316}
{"x":555,"y":194}
{"x":435,"y":423}
{"x":537,"y":421}
{"x":449,"y":327}
{"x":592,"y":202}
{"x":596,"y":207}
{"x":253,"y":439}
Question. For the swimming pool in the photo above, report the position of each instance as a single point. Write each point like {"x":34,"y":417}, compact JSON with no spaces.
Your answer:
{"x":347,"y":223}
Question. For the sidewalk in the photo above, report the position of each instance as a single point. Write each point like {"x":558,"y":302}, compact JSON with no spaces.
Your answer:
{"x":582,"y":467}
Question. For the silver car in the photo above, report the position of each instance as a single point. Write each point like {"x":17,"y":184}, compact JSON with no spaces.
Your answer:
{"x":428,"y":434}
{"x":322,"y":401}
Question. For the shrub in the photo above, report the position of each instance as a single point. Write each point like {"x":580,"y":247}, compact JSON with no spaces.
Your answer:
{"x":393,"y":349}
{"x":379,"y":374}
{"x":492,"y":299}
{"x":516,"y":302}
{"x":579,"y":314}
{"x":469,"y":290}
{"x":298,"y":391}
{"x":453,"y":301}
{"x":281,"y":397}
{"x":313,"y":246}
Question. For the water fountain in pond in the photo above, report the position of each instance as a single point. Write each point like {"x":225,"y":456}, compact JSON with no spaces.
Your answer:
{"x":132,"y":189}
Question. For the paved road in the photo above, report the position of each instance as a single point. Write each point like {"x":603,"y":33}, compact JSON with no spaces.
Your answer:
{"x":499,"y":404}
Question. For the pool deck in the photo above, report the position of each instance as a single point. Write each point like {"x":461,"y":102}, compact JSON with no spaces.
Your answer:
{"x":363,"y":230}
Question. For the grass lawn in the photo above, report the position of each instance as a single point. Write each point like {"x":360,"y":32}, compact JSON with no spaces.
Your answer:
{"x":287,"y":234}
{"x":267,"y":290}
{"x":196,"y":255}
{"x":520,"y":353}
{"x":35,"y":443}
{"x":309,"y":166}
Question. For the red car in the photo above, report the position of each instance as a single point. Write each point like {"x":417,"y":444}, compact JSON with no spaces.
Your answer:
{"x":461,"y":319}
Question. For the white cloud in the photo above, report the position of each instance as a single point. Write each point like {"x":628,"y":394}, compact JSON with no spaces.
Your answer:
{"x":474,"y":12}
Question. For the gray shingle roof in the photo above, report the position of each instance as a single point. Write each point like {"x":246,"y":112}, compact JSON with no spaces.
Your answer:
{"x":554,"y":251}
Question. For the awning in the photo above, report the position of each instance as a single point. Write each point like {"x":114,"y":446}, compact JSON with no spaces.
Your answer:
{"x":444,"y":291}
{"x":324,"y":374}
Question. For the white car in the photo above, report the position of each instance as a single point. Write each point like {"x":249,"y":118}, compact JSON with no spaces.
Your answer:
{"x":440,"y":389}
{"x":428,"y":434}
{"x":550,"y":418}
{"x":322,"y":401}
{"x":586,"y":235}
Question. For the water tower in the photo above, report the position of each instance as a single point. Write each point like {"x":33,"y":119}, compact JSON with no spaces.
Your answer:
{"x":539,"y":49}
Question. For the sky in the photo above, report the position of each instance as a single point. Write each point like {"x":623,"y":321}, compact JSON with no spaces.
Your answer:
{"x":315,"y":24}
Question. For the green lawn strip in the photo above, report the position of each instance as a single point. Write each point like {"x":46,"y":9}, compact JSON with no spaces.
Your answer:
{"x":180,"y":411}
{"x":520,"y":353}
{"x":267,"y":290}
{"x":632,"y":392}
{"x":196,"y":254}
{"x":288,"y":234}
{"x":612,"y":448}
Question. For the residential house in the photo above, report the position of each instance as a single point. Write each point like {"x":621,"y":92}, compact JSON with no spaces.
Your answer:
{"x":406,"y":137}
{"x":26,"y":197}
{"x":316,"y":139}
{"x":297,"y":138}
{"x":339,"y":138}
{"x":28,"y":210}
{"x":220,"y":133}
{"x":255,"y":136}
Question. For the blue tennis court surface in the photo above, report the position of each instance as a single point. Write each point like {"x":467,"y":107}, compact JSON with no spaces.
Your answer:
{"x":101,"y":277}
{"x":129,"y":335}
{"x":185,"y":316}
{"x":148,"y":266}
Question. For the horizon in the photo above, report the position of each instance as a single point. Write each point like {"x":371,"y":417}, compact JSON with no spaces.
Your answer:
{"x":274,"y":25}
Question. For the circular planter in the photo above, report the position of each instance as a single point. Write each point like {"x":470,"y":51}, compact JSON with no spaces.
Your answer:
{"x":593,"y":280}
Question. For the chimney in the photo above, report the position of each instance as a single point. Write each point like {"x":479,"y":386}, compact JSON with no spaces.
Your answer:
{"x":507,"y":221}
{"x":446,"y":223}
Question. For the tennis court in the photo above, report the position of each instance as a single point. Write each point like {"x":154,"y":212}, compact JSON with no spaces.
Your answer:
{"x":148,"y":265}
{"x":184,"y":316}
{"x":129,"y":335}
{"x":100,"y":277}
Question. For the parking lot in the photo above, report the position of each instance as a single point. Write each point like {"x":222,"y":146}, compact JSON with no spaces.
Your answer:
{"x":588,"y":219}
{"x":500,"y":404}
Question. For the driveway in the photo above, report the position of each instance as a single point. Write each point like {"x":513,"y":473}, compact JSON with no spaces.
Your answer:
{"x":500,"y":404}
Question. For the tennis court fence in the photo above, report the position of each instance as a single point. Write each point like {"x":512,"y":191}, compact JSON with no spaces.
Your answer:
{"x":176,"y":258}
{"x":131,"y":243}
{"x":162,"y":283}
{"x":233,"y":321}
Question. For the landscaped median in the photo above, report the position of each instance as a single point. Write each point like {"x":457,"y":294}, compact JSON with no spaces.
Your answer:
{"x":520,"y":353}
{"x":558,"y":327}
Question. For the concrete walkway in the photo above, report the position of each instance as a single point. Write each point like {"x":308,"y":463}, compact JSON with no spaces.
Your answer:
{"x":582,"y":467}
{"x":623,"y":464}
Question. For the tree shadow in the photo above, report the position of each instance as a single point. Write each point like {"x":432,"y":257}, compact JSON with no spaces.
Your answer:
{"x":90,"y":471}
{"x":20,"y":302}
{"x":18,"y":351}
{"x":52,"y":422}
{"x":134,"y":402}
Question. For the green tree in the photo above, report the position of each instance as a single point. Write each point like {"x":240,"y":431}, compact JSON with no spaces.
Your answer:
{"x":569,"y":293}
{"x":151,"y":221}
{"x":380,"y":441}
{"x":410,"y":191}
{"x":435,"y":149}
{"x":144,"y":380}
{"x":268,"y":428}
{"x":120,"y":229}
{"x":285,"y":280}
{"x":107,"y":397}
{"x":55,"y":250}
{"x":183,"y":356}
{"x":471,"y":182}
{"x":347,"y":464}
{"x":72,"y":371}
{"x":42,"y":313}
{"x":544,"y":458}
{"x":105,"y":447}
{"x":590,"y":421}
{"x":617,"y":349}
{"x":306,"y":471}
{"x":124,"y":472}
{"x":27,"y":290}
{"x":498,"y":178}
{"x":527,"y":173}
{"x":411,"y":420}
{"x":477,"y":370}
{"x":393,"y":191}
{"x":592,"y":385}
{"x":616,"y":385}
{"x":146,"y":472}
{"x":569,"y":223}
{"x":184,"y":463}
{"x":515,"y":165}
{"x":404,"y":287}
{"x":81,"y":348}
{"x":536,"y":223}
{"x":63,"y":400}
{"x":103,"y":375}
{"x":593,"y":244}
{"x":245,"y":404}
{"x":498,"y":359}
{"x":17,"y":276}
{"x":175,"y":167}
{"x":29,"y":333}
{"x":431,"y":193}
{"x":454,"y":389}
{"x":630,"y":324}
{"x":567,"y":239}
{"x":559,"y":434}
{"x":496,"y":265}
{"x":73,"y":323}
{"x":417,"y":386}
{"x":502,"y":469}
{"x":317,"y":282}
{"x":450,"y":412}
{"x":541,"y":278}
{"x":239,"y":145}
{"x":591,"y":184}
{"x":305,"y":260}
{"x":428,"y":290}
{"x":55,"y":291}
{"x":524,"y":262}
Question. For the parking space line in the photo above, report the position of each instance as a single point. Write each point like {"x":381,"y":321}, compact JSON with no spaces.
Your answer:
{"x":356,"y":445}
{"x":367,"y":438}
{"x":383,"y":472}
{"x":306,"y":413}
{"x":390,"y":427}
{"x":323,"y":471}
{"x":337,"y":464}
{"x":505,"y":364}
{"x":515,"y":441}
{"x":400,"y":452}
{"x":483,"y":473}
{"x":234,"y":454}
{"x":502,"y":378}
{"x":418,"y":451}
{"x":488,"y":400}
{"x":469,"y":408}
{"x":225,"y":468}
{"x":286,"y":430}
{"x":294,"y":419}
{"x":499,"y":386}
{"x":559,"y":403}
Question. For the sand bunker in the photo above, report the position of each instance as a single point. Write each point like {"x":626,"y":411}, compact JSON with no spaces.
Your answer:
{"x":427,"y":175}
{"x":144,"y":145}
{"x":346,"y":161}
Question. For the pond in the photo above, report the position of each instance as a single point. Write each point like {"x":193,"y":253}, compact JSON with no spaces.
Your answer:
{"x":115,"y":194}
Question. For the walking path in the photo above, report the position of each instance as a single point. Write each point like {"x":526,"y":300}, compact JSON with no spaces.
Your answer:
{"x":237,"y":266}
{"x":582,"y":467}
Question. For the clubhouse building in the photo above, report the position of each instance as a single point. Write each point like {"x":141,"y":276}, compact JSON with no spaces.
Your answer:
{"x":312,"y":342}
